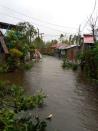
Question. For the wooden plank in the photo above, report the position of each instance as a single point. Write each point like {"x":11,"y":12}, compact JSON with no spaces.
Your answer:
{"x":4,"y":45}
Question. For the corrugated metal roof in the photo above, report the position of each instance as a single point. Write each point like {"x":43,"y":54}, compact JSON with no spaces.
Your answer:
{"x":71,"y":46}
{"x":61,"y":46}
{"x":56,"y":45}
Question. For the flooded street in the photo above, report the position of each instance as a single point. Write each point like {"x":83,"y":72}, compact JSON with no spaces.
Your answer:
{"x":73,"y":103}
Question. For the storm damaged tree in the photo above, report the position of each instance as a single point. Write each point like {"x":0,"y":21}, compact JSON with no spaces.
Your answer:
{"x":93,"y":27}
{"x":28,"y":30}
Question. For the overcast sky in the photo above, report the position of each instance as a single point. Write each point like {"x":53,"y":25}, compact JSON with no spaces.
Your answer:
{"x":52,"y":17}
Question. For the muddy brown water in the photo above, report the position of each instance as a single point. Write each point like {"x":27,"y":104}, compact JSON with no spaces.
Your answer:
{"x":72,"y":101}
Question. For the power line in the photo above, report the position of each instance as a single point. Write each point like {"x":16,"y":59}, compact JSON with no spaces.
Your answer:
{"x":33,"y":22}
{"x":35,"y":18}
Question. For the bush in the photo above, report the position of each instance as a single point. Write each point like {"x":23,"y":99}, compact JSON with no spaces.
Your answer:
{"x":26,"y":66}
{"x":74,"y":67}
{"x":14,"y":106}
{"x":15,"y":53}
{"x":4,"y":68}
{"x":66,"y":63}
{"x":69,"y":65}
{"x":89,"y":62}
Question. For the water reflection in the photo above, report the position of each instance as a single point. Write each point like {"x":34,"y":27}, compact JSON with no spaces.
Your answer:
{"x":15,"y":77}
{"x":87,"y":102}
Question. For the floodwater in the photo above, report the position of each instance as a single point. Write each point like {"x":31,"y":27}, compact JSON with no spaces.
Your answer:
{"x":72,"y":101}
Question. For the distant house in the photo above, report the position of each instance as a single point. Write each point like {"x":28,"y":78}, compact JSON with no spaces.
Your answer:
{"x":72,"y":52}
{"x":54,"y":49}
{"x":88,"y":42}
{"x":61,"y":50}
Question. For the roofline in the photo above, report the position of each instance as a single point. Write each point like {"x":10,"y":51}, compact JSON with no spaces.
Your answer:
{"x":88,"y":35}
{"x":8,"y":26}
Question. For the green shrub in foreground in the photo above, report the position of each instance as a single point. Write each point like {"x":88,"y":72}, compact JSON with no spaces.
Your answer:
{"x":68,"y":65}
{"x":14,"y":106}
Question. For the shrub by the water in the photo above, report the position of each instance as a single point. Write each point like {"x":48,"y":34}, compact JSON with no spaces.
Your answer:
{"x":14,"y":106}
{"x":4,"y":68}
{"x":74,"y":67}
{"x":68,"y":65}
{"x":89,"y":62}
{"x":16,"y":53}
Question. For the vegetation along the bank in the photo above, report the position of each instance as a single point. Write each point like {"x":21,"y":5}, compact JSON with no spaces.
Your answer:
{"x":69,"y":65}
{"x":15,"y":106}
{"x":89,"y":62}
{"x":21,"y":43}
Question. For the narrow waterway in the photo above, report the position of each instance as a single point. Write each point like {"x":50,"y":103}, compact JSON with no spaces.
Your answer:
{"x":73,"y":102}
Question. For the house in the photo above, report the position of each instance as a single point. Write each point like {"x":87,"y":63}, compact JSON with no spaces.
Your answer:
{"x":72,"y":52}
{"x":61,"y":49}
{"x":53,"y":49}
{"x":88,"y":42}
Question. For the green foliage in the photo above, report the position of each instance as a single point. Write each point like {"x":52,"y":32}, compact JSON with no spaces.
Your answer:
{"x":74,"y":67}
{"x":20,"y":42}
{"x":15,"y":53}
{"x":66,"y":63}
{"x":20,"y":38}
{"x":89,"y":62}
{"x":69,"y":65}
{"x":26,"y":66}
{"x":4,"y":68}
{"x":10,"y":122}
{"x":28,"y":31}
{"x":39,"y":43}
{"x":14,"y":106}
{"x":11,"y":63}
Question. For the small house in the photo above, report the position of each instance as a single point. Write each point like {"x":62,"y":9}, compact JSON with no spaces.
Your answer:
{"x":72,"y":52}
{"x":88,"y":42}
{"x":61,"y":49}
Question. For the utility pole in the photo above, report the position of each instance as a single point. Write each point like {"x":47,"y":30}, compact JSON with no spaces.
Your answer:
{"x":41,"y":35}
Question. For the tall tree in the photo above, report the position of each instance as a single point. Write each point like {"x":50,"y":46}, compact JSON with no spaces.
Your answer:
{"x":28,"y":30}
